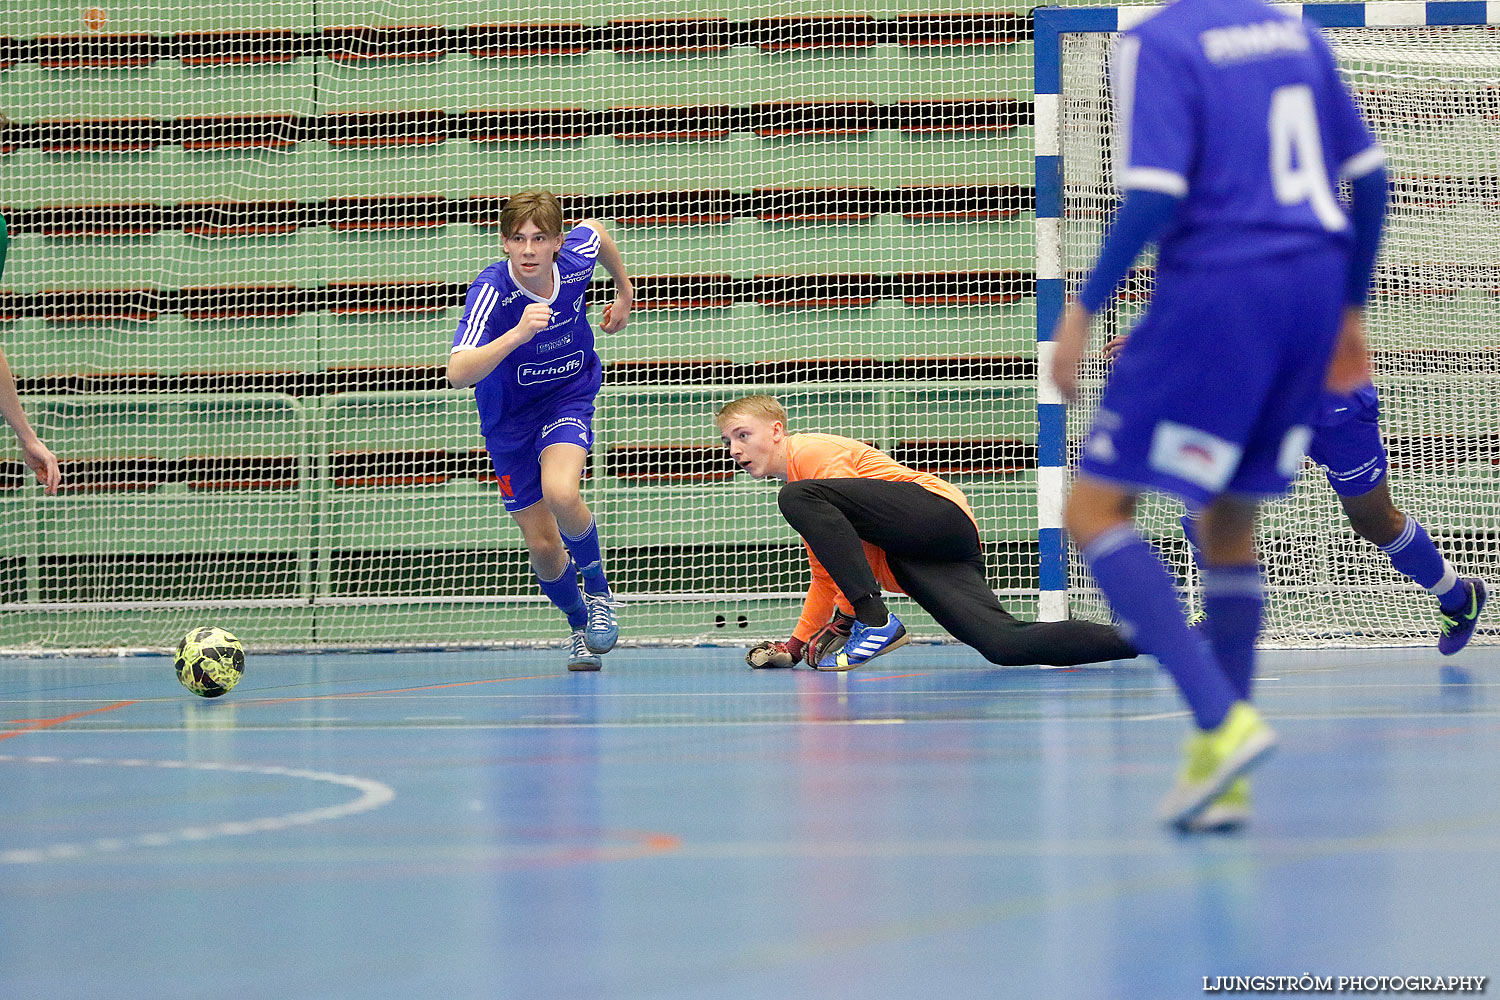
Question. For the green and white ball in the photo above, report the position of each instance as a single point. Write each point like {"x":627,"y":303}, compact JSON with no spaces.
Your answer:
{"x":210,"y":661}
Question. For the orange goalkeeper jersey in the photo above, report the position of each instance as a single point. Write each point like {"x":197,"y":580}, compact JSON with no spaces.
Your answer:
{"x":828,"y":456}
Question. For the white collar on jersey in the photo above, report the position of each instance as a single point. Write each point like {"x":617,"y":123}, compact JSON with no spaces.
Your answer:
{"x":556,"y":283}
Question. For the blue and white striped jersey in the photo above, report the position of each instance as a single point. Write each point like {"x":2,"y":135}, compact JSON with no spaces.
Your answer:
{"x":559,"y":359}
{"x":1237,"y":109}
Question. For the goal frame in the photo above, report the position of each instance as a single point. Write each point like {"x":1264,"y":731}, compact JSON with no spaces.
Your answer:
{"x":1049,"y":25}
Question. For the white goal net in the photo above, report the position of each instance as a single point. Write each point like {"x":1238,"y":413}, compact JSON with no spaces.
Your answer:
{"x":1432,"y":95}
{"x":240,"y":237}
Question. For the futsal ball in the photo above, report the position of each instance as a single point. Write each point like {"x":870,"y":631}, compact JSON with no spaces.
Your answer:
{"x":210,"y":661}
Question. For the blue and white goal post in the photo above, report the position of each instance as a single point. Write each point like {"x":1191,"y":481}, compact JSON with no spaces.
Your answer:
{"x":1420,"y":71}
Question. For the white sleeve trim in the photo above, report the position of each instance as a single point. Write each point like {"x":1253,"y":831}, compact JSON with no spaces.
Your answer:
{"x":479,"y":315}
{"x":1154,"y":179}
{"x":1362,"y":163}
{"x":462,"y":347}
{"x":588,"y":248}
{"x":1122,"y":83}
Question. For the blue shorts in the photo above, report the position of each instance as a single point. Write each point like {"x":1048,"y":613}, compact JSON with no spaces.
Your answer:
{"x":1346,"y":442}
{"x":1217,"y":388}
{"x":518,"y":462}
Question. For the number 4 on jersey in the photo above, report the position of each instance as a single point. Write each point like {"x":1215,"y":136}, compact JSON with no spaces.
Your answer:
{"x":1298,"y":173}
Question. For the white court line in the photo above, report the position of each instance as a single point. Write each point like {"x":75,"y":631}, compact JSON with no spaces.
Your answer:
{"x":373,"y":795}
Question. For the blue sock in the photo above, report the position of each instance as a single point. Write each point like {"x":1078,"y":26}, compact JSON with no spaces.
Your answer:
{"x":1414,"y":556}
{"x":1234,"y":600}
{"x":1135,"y":581}
{"x":585,"y":552}
{"x":564,"y":593}
{"x":1189,"y":522}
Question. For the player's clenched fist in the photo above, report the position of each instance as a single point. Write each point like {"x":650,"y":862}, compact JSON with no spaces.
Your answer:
{"x":616,"y":315}
{"x":770,"y":654}
{"x":534,"y":319}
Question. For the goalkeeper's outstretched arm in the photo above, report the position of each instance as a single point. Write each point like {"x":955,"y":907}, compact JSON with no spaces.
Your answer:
{"x":821,"y":603}
{"x":771,"y":653}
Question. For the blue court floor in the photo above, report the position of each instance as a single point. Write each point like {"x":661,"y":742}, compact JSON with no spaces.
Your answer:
{"x":484,"y":824}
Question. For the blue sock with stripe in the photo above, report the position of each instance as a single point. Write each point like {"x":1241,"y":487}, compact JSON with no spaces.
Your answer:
{"x":1416,"y":557}
{"x":1234,"y":600}
{"x":563,"y":592}
{"x":585,"y":552}
{"x":1134,"y":579}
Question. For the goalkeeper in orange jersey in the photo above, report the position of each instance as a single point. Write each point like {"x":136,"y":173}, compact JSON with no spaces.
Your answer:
{"x":870,"y":523}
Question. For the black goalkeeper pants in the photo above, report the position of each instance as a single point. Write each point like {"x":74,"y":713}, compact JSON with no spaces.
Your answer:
{"x":934,"y":553}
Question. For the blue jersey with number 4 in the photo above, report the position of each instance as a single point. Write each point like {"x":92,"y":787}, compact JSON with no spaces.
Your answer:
{"x":558,"y":362}
{"x":1237,"y":109}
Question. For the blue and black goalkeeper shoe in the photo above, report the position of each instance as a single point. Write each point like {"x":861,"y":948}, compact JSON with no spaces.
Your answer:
{"x":865,"y":642}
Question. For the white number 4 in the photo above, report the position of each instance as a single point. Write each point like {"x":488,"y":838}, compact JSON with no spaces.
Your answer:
{"x":1297,"y":171}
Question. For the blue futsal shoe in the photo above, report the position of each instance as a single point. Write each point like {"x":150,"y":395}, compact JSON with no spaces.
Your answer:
{"x":602,"y":631}
{"x":865,"y":642}
{"x":1458,"y":629}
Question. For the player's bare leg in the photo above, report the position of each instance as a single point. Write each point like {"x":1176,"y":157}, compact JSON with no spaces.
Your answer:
{"x":1228,"y":531}
{"x":1374,"y":516}
{"x":562,"y":474}
{"x":1095,"y":507}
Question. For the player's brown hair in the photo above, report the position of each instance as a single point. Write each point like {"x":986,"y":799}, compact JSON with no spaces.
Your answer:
{"x":540,"y":207}
{"x":757,"y":405}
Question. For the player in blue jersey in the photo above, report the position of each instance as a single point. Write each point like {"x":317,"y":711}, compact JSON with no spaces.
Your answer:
{"x":1234,"y":131}
{"x":526,"y":347}
{"x":38,"y":457}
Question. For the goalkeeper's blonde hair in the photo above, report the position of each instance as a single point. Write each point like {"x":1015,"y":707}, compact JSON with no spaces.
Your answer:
{"x":757,"y":405}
